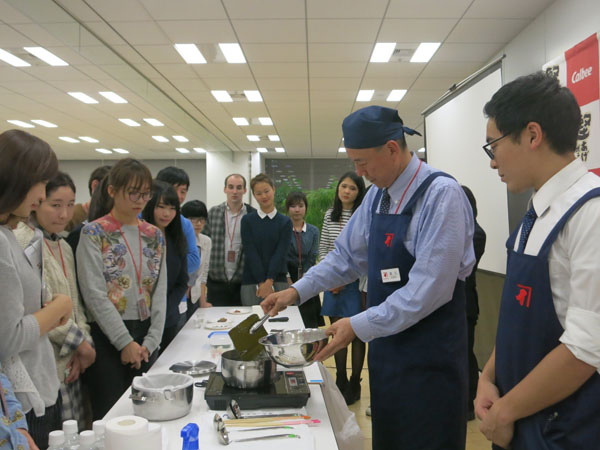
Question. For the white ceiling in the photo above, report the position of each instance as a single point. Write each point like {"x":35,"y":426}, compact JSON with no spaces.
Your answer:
{"x":308,"y":58}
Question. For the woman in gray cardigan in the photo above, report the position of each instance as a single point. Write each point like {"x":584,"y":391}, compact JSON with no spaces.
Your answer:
{"x":26,"y":164}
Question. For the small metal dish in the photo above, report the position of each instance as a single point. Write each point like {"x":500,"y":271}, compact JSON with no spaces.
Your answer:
{"x":194,"y":368}
{"x":294,"y":348}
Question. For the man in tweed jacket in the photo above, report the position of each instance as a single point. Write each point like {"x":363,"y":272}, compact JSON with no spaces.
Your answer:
{"x":227,"y":256}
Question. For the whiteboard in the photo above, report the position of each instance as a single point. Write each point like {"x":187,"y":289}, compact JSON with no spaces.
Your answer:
{"x":454,"y":134}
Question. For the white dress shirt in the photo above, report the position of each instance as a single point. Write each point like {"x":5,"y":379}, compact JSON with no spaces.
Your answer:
{"x":262,"y":214}
{"x":574,"y":259}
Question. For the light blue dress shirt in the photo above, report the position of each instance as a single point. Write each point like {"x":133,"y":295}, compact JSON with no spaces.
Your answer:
{"x":440,"y":237}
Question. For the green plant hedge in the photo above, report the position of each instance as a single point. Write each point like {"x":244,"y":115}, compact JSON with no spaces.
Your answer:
{"x":319,"y":201}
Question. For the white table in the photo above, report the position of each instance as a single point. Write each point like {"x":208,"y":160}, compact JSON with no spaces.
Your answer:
{"x":192,"y":344}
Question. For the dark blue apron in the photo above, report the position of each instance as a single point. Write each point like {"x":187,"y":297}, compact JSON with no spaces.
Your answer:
{"x":528,"y":329}
{"x":418,"y":377}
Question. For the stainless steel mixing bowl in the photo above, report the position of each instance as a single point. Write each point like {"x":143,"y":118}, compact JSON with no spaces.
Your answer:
{"x":294,"y":348}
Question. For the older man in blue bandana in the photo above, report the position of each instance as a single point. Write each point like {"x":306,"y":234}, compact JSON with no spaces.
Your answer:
{"x":413,"y":237}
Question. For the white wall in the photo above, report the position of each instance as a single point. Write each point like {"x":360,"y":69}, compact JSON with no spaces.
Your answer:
{"x":218,"y":166}
{"x":80,"y":171}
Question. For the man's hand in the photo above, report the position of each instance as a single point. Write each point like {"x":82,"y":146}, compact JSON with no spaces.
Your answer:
{"x":86,"y":354}
{"x":278,"y":301}
{"x":30,"y":442}
{"x":497,"y":427}
{"x":337,"y":290}
{"x":342,"y":333}
{"x":132,"y":354}
{"x":265,"y":289}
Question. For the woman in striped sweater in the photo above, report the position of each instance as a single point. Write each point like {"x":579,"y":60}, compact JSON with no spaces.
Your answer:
{"x":344,"y":301}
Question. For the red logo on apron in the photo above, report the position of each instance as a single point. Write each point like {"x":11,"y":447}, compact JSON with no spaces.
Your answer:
{"x":524,"y":295}
{"x":389,"y":237}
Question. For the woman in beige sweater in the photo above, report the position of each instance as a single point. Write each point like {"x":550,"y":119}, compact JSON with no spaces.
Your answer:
{"x":72,"y":343}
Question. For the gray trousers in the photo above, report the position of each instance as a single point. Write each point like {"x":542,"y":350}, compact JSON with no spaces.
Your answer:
{"x":248,"y":292}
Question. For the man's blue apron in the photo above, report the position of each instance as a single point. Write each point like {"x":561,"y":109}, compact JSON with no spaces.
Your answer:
{"x":418,"y":377}
{"x":528,"y":329}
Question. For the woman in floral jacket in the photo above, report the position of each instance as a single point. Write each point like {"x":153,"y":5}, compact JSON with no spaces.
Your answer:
{"x":123,"y":279}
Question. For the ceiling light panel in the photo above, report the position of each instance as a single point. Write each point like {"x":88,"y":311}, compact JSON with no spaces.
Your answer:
{"x":222,"y":96}
{"x":253,"y":138}
{"x":382,"y":52}
{"x":21,"y":124}
{"x":120,"y":150}
{"x":280,"y":149}
{"x":424,"y":52}
{"x":68,"y":139}
{"x":11,"y":59}
{"x":342,"y":150}
{"x":190,"y":53}
{"x":46,"y":56}
{"x":179,"y":138}
{"x":199,"y":150}
{"x":91,"y":140}
{"x":396,"y":95}
{"x":44,"y":123}
{"x":241,"y":121}
{"x":365,"y":95}
{"x":253,"y":96}
{"x":265,"y":121}
{"x":261,"y":150}
{"x":113,"y":97}
{"x":83,"y":97}
{"x":274,"y":138}
{"x":160,"y":138}
{"x":182,"y":150}
{"x":129,"y":122}
{"x":154,"y":122}
{"x":103,"y":150}
{"x":233,"y":53}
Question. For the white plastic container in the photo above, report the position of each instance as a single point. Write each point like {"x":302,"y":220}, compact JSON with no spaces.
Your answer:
{"x":86,"y":440}
{"x":98,"y":428}
{"x":71,"y":433}
{"x":56,"y":440}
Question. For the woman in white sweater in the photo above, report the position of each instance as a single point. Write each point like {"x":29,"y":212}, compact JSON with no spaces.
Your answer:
{"x":72,"y":343}
{"x":26,"y":164}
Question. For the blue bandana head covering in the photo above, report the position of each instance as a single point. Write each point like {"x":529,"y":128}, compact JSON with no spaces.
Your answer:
{"x":373,"y":126}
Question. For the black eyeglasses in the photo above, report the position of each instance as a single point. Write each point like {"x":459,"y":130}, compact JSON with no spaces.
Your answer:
{"x":487,"y":148}
{"x":134,"y":196}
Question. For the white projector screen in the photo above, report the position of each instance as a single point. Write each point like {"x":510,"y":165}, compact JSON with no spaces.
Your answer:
{"x":454,"y":134}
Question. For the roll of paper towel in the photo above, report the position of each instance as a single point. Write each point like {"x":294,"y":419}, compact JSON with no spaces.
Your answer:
{"x":127,"y":432}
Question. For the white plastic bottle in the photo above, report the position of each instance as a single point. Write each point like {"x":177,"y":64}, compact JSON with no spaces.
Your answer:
{"x":98,"y":428}
{"x":71,"y":433}
{"x":56,"y":440}
{"x":86,"y":440}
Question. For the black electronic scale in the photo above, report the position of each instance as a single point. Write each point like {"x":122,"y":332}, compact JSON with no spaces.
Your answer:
{"x":289,"y":390}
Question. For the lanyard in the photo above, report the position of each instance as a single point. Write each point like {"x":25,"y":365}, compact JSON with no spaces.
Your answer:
{"x":137,"y":273}
{"x":62,"y":261}
{"x":299,"y":242}
{"x":406,"y":190}
{"x":234,"y":227}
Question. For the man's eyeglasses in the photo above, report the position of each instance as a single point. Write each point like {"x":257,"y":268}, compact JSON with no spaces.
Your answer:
{"x":487,"y":148}
{"x":134,"y":196}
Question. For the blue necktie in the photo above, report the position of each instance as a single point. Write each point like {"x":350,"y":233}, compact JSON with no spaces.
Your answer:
{"x":386,"y":200}
{"x":526,"y":227}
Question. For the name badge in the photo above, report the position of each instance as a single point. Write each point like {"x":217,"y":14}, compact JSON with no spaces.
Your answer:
{"x":390,"y":275}
{"x":143,"y":309}
{"x":231,"y":256}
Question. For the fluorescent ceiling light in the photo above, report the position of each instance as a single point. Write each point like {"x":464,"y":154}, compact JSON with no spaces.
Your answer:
{"x":46,"y":56}
{"x":233,"y":53}
{"x":190,"y":53}
{"x":21,"y":124}
{"x":365,"y":95}
{"x":113,"y":97}
{"x":382,"y":52}
{"x":12,"y":59}
{"x":83,"y":97}
{"x":421,"y":150}
{"x":154,"y":122}
{"x":68,"y":139}
{"x":103,"y":150}
{"x":280,"y":149}
{"x":253,"y":96}
{"x":129,"y":122}
{"x":182,"y":150}
{"x":199,"y":150}
{"x":222,"y":96}
{"x":44,"y":123}
{"x":274,"y":138}
{"x":253,"y":138}
{"x":89,"y":139}
{"x":241,"y":121}
{"x":424,"y":52}
{"x":160,"y":138}
{"x":396,"y":95}
{"x":181,"y":138}
{"x":342,"y":150}
{"x":261,"y":150}
{"x":265,"y":121}
{"x":120,"y":150}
